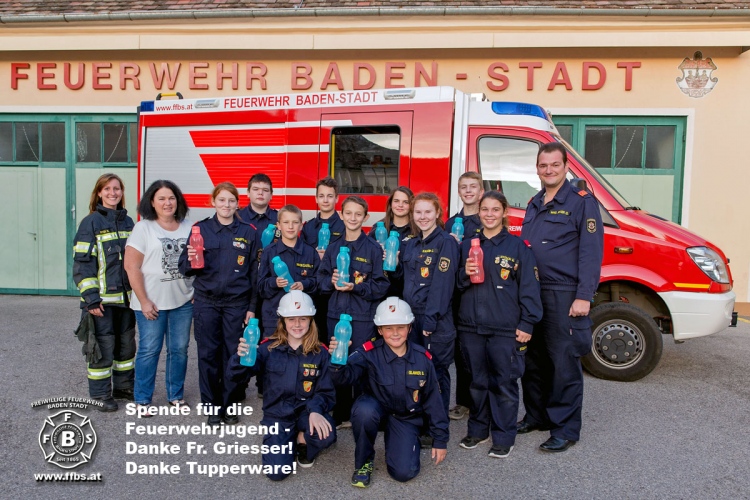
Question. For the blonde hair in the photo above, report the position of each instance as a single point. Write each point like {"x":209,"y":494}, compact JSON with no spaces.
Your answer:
{"x":290,"y":209}
{"x":310,"y":343}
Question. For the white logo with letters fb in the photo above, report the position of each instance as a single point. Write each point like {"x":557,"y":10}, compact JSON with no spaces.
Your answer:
{"x":67,"y":439}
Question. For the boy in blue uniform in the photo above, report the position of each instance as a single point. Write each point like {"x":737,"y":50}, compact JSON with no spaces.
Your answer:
{"x":563,"y":227}
{"x":257,"y":213}
{"x":495,"y":321}
{"x":400,"y":391}
{"x":359,"y":297}
{"x":470,"y":190}
{"x":224,"y":298}
{"x":301,"y":259}
{"x":299,"y":390}
{"x":326,"y":196}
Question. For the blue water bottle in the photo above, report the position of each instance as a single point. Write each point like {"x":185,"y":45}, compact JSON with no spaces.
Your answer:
{"x":381,"y":233}
{"x":324,"y":236}
{"x":252,"y":337}
{"x":267,"y":236}
{"x":342,"y":264}
{"x":343,"y":334}
{"x":391,"y":252}
{"x":279,"y":267}
{"x":458,"y":228}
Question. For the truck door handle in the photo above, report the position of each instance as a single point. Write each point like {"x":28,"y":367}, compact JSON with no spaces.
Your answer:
{"x":624,"y":250}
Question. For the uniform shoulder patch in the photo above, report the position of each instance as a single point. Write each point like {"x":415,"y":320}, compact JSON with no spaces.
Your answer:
{"x":444,"y":264}
{"x":427,"y":353}
{"x":368,"y":346}
{"x":582,"y":192}
{"x":591,"y":225}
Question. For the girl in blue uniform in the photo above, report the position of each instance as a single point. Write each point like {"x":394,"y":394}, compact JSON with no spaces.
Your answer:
{"x":299,"y":391}
{"x":397,"y":218}
{"x":495,"y":321}
{"x":428,"y":262}
{"x":360,"y":296}
{"x":223,"y":299}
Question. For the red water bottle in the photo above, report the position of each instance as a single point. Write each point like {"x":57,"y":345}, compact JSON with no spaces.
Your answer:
{"x":196,"y":241}
{"x":477,"y":256}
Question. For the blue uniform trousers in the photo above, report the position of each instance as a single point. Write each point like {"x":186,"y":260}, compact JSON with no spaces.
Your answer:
{"x":553,"y":381}
{"x":362,"y":331}
{"x":401,"y":438}
{"x":495,"y":364}
{"x":314,"y":443}
{"x":441,"y":346}
{"x":217,"y":331}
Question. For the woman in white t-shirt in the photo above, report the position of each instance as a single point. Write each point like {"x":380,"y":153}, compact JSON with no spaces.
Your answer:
{"x":163,"y":297}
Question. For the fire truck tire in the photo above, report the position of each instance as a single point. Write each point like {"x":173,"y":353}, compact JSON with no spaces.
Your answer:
{"x":626,"y":343}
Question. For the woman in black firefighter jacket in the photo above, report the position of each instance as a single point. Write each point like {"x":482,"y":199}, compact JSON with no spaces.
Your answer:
{"x":102,"y":282}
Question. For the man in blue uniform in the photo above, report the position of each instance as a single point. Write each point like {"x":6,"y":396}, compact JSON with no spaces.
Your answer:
{"x":563,"y":227}
{"x":400,"y":391}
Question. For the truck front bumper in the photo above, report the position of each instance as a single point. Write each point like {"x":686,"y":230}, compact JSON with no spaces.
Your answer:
{"x":699,"y":314}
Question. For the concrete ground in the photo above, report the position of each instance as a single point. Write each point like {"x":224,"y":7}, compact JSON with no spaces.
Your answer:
{"x":679,"y":433}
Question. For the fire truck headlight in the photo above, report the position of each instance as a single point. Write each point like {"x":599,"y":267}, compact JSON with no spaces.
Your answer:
{"x":710,"y":263}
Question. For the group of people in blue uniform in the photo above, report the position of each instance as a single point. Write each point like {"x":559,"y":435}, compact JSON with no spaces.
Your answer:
{"x":528,"y":318}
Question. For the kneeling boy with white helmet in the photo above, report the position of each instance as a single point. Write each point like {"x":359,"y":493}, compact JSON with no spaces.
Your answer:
{"x":400,"y":390}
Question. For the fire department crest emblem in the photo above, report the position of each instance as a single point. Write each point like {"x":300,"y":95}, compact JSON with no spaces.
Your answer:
{"x":240,"y":260}
{"x":504,"y":273}
{"x":428,"y":261}
{"x":297,"y":305}
{"x":392,"y":309}
{"x":415,"y":396}
{"x":696,"y":80}
{"x":307,"y":386}
{"x":67,"y":439}
{"x":425,"y":271}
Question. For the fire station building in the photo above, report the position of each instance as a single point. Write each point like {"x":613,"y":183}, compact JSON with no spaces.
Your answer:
{"x":653,"y":94}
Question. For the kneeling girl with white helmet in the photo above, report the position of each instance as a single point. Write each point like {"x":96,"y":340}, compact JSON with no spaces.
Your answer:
{"x":299,"y":392}
{"x":400,"y":391}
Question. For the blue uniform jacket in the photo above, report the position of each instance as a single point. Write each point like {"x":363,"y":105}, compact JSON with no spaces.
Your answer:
{"x":229,"y":273}
{"x":365,"y":271}
{"x":311,"y":228}
{"x":429,"y":269}
{"x":472,"y":224}
{"x":406,"y":387}
{"x":509,"y":298}
{"x":303,"y":262}
{"x":567,"y":239}
{"x":259,"y":221}
{"x":293,"y":382}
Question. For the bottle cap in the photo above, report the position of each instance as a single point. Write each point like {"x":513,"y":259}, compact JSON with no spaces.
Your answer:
{"x":324,"y":225}
{"x":475,"y":242}
{"x":196,"y":229}
{"x":380,"y":223}
{"x":394,"y":233}
{"x":253,"y":322}
{"x":345,"y":317}
{"x":276,"y":259}
{"x":459,"y":219}
{"x":344,"y":249}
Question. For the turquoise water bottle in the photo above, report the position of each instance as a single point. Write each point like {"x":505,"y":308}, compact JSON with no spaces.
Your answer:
{"x":343,"y":334}
{"x":282,"y":271}
{"x":381,"y":233}
{"x":267,"y":236}
{"x":252,"y":337}
{"x":324,"y":236}
{"x":391,"y":252}
{"x":458,"y":228}
{"x":342,"y":264}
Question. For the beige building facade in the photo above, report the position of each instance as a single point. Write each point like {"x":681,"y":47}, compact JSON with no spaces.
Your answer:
{"x":657,"y":102}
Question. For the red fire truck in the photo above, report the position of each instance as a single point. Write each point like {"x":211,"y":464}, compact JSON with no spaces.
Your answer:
{"x":657,"y":277}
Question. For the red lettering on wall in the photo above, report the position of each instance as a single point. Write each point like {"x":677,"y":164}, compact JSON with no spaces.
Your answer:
{"x":421,"y":72}
{"x":304,"y":75}
{"x":530,"y":67}
{"x":587,"y":66}
{"x":133,"y":77}
{"x":560,"y":77}
{"x":81,"y":76}
{"x":251,"y":75}
{"x":629,"y":72}
{"x":358,"y":85}
{"x":194,"y":75}
{"x":99,"y":75}
{"x":42,"y":75}
{"x":493,"y":73}
{"x":15,"y":75}
{"x":221,"y":75}
{"x":164,"y":69}
{"x":332,"y":76}
{"x":391,"y":75}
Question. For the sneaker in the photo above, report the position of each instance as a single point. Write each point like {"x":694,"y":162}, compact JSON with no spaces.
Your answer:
{"x":498,"y":451}
{"x":458,"y":412}
{"x":344,"y":425}
{"x":361,"y":476}
{"x":126,"y":394}
{"x":302,"y":456}
{"x":425,"y":442}
{"x":470,"y":442}
{"x":109,"y":404}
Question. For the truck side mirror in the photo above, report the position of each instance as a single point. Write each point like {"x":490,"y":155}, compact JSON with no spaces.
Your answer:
{"x":579,"y":183}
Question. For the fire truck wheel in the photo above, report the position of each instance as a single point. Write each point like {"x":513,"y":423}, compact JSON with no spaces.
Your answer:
{"x":626,"y":343}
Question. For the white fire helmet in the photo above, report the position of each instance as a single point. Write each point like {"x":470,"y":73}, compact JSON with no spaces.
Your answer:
{"x":295,"y":303}
{"x":393,"y":311}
